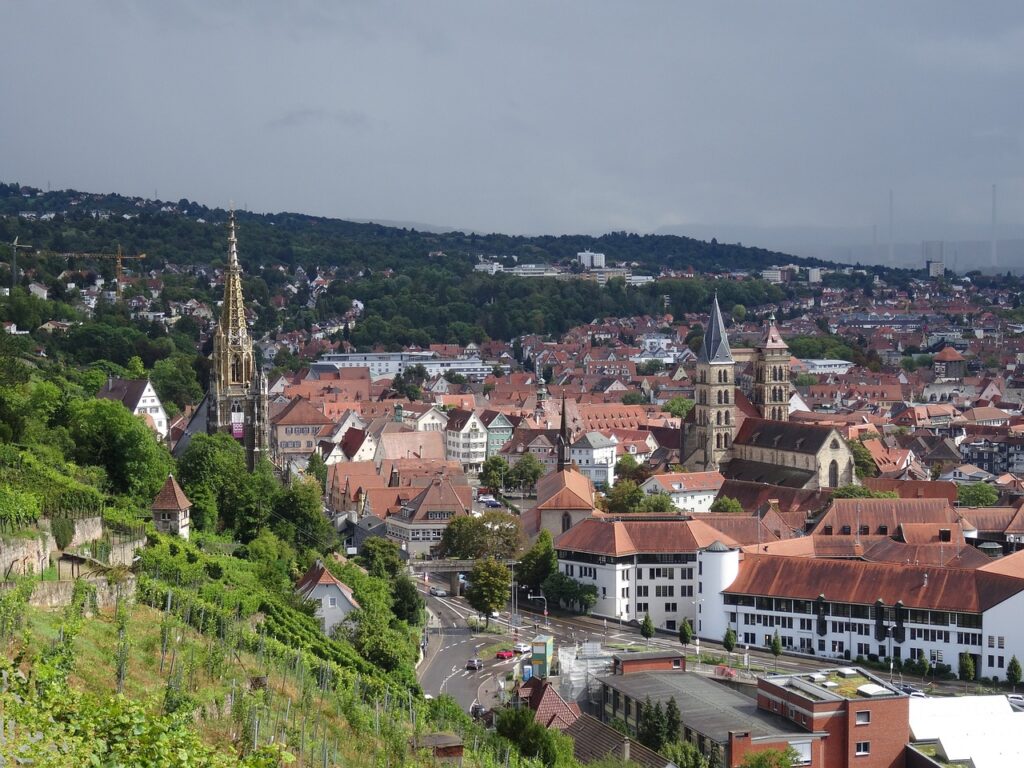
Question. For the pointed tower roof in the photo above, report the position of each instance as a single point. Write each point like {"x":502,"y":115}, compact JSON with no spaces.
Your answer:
{"x":772,"y":339}
{"x":171,"y":498}
{"x":232,"y":313}
{"x":715,"y":347}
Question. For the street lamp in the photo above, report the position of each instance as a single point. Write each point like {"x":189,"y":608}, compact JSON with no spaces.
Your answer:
{"x":888,"y":633}
{"x":541,"y":597}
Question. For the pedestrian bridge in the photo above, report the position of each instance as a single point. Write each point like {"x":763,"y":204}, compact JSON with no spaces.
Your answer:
{"x":449,"y":568}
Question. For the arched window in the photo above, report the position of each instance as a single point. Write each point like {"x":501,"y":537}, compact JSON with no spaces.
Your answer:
{"x":566,"y":522}
{"x":833,"y":474}
{"x":718,"y":440}
{"x":725,"y":397}
{"x":236,"y":368}
{"x":834,"y":445}
{"x":718,"y":417}
{"x":728,"y":417}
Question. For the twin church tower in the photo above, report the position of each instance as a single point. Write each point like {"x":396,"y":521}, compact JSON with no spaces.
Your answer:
{"x":720,"y":406}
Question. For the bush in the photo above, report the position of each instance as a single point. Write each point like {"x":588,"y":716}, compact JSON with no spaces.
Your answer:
{"x":63,"y":530}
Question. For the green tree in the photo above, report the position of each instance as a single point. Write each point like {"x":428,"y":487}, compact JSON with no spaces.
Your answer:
{"x":527,"y":471}
{"x":213,"y":474}
{"x":628,"y":468}
{"x":738,"y":312}
{"x":108,"y":434}
{"x":729,"y":640}
{"x":776,"y":648}
{"x":804,"y":380}
{"x":657,"y":504}
{"x":650,"y":367}
{"x":771,"y":758}
{"x":135,"y":369}
{"x":861,"y":492}
{"x":684,"y":754}
{"x":1013,"y":673}
{"x":647,"y":628}
{"x":685,"y":632}
{"x":679,"y":407}
{"x":275,"y":558}
{"x":625,"y":496}
{"x":967,"y":670}
{"x":494,"y":472}
{"x":652,"y":726}
{"x":298,"y":516}
{"x":494,"y":534}
{"x":490,"y":582}
{"x":174,"y":380}
{"x":977,"y":495}
{"x":408,"y":604}
{"x":727,"y":504}
{"x":673,"y":721}
{"x":381,"y":558}
{"x":634,"y":397}
{"x":316,"y":469}
{"x":864,"y":465}
{"x":539,"y":562}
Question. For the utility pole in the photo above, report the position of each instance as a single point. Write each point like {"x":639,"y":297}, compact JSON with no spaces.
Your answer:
{"x":14,"y":263}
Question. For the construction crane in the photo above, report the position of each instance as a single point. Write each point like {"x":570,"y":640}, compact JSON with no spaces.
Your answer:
{"x":118,"y":259}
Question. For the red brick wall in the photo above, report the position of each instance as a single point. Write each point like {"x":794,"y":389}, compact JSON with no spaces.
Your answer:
{"x":888,"y":732}
{"x":651,"y":665}
{"x":740,"y":745}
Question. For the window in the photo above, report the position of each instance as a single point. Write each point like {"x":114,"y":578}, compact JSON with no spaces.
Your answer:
{"x":863,"y":748}
{"x":332,"y":602}
{"x":863,"y":718}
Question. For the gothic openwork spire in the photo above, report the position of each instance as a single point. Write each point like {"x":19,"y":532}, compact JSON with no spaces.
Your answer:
{"x":232,"y":316}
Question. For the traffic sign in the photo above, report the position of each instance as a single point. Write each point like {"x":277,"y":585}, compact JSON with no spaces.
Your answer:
{"x":545,"y":611}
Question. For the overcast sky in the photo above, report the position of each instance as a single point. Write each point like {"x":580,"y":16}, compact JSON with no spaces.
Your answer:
{"x":531,"y":117}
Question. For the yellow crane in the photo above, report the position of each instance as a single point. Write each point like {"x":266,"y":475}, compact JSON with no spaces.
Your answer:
{"x":118,"y":259}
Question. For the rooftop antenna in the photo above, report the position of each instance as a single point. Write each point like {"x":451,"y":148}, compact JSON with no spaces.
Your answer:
{"x":892,"y":249}
{"x":994,"y":250}
{"x":14,"y":263}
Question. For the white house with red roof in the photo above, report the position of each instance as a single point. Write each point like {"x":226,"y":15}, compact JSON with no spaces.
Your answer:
{"x":335,"y":598}
{"x":689,"y":491}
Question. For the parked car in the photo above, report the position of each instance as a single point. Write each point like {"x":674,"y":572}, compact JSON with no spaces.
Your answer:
{"x":505,"y":653}
{"x":475,"y":664}
{"x":492,"y":504}
{"x":522,"y":648}
{"x":437,"y":592}
{"x":477,"y":710}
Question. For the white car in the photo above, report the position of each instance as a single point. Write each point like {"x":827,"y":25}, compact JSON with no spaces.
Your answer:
{"x":438,"y":592}
{"x":521,"y":648}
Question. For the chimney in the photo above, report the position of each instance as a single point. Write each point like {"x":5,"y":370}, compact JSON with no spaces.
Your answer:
{"x":625,"y":749}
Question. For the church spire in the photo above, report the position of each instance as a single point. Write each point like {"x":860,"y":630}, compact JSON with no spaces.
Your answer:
{"x":715,"y":347}
{"x":564,"y":440}
{"x":232,"y":315}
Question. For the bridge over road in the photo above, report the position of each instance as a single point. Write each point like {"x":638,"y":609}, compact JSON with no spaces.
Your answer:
{"x":447,"y":571}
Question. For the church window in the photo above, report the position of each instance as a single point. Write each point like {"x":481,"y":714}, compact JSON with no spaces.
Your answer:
{"x":718,"y":417}
{"x":719,"y":393}
{"x":834,"y":445}
{"x":728,"y":417}
{"x":566,"y":522}
{"x":718,"y":440}
{"x":725,"y":396}
{"x":236,"y":368}
{"x":833,"y":474}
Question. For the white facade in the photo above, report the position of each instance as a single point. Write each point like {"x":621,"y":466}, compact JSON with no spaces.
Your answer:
{"x":149,"y":405}
{"x":684,"y":498}
{"x":630,"y":586}
{"x":468,"y":445}
{"x":384,"y":365}
{"x":594,"y":456}
{"x":590,"y":260}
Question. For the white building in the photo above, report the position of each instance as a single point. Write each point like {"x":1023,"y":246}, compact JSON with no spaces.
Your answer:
{"x":139,"y":397}
{"x":465,"y":439}
{"x":590,"y":260}
{"x":384,"y":365}
{"x":689,"y":491}
{"x":594,"y":456}
{"x":818,"y":366}
{"x":639,"y":566}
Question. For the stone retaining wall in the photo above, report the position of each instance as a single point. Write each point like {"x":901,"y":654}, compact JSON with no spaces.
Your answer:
{"x":57,"y":594}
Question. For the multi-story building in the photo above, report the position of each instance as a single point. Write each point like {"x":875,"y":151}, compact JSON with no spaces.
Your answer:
{"x":384,"y":365}
{"x":465,"y":439}
{"x":640,"y":565}
{"x":499,"y":430}
{"x":689,"y":491}
{"x":594,"y":456}
{"x":419,"y":525}
{"x":295,"y":431}
{"x":997,"y":454}
{"x":139,"y":397}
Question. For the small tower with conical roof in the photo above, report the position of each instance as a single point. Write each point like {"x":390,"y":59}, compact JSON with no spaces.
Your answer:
{"x":715,"y":389}
{"x":171,"y":509}
{"x":771,"y":374}
{"x":237,"y":400}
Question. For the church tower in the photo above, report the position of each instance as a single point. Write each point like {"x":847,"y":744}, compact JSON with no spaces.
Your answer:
{"x":237,"y":401}
{"x":715,"y":410}
{"x":771,"y":375}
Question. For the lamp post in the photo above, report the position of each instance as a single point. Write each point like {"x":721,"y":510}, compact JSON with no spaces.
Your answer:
{"x":541,"y":597}
{"x":888,"y":632}
{"x":696,"y":616}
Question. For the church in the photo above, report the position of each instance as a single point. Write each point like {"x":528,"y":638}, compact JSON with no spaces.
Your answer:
{"x":754,"y":440}
{"x":236,"y":401}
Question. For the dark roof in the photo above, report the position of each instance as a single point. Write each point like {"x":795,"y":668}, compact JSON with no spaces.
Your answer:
{"x":715,"y":346}
{"x":708,"y":707}
{"x":763,"y":472}
{"x":171,"y":497}
{"x":593,"y":741}
{"x":457,"y":419}
{"x":783,"y":435}
{"x":128,"y":391}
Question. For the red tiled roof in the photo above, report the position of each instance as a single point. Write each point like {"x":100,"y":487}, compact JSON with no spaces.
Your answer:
{"x":625,"y":537}
{"x":853,"y":581}
{"x":171,"y":497}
